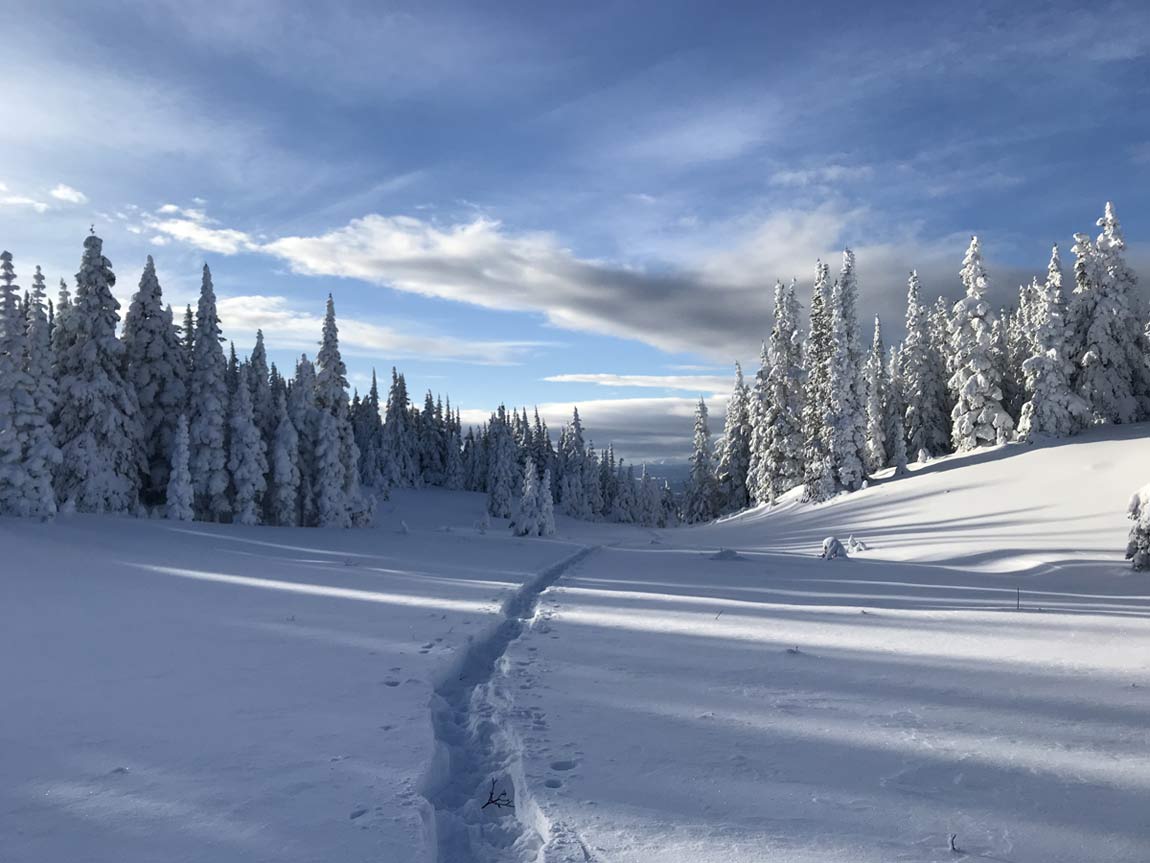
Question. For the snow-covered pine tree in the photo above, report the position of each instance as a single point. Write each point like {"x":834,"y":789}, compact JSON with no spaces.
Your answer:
{"x":781,"y":437}
{"x":98,"y":424}
{"x":453,"y":474}
{"x":592,"y":489}
{"x":845,"y":419}
{"x":179,"y":496}
{"x":875,"y":375}
{"x":188,"y":342}
{"x":41,"y":455}
{"x":259,"y":380}
{"x":63,"y":304}
{"x":758,"y":475}
{"x":502,"y":465}
{"x":526,"y":518}
{"x":331,"y":397}
{"x":546,"y":506}
{"x":650,"y":500}
{"x":572,"y":455}
{"x":208,"y":409}
{"x":895,"y":413}
{"x":733,"y":451}
{"x":942,"y":363}
{"x":305,"y":418}
{"x":156,"y":369}
{"x":1138,"y":544}
{"x":399,"y":454}
{"x":368,"y":426}
{"x":331,"y":504}
{"x":623,"y":510}
{"x":15,"y":396}
{"x":284,"y":489}
{"x":818,"y":468}
{"x":927,"y":425}
{"x":431,"y":446}
{"x":978,"y":417}
{"x":247,"y":456}
{"x":1053,"y":409}
{"x":701,"y":502}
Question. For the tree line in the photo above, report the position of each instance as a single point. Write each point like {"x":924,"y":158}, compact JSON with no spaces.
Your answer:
{"x":823,"y":414}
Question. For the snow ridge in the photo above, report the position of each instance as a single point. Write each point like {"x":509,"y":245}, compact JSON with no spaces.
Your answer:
{"x":474,"y":748}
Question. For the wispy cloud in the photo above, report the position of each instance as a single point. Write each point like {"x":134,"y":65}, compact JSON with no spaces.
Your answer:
{"x":68,"y":195}
{"x":295,"y":328}
{"x":826,"y":175}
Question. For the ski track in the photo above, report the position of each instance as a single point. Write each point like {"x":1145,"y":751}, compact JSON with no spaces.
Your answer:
{"x":474,"y":746}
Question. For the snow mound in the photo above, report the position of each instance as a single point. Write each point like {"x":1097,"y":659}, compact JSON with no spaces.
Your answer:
{"x":727,"y":554}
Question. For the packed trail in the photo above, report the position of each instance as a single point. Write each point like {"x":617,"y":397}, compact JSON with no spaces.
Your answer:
{"x":974,"y":672}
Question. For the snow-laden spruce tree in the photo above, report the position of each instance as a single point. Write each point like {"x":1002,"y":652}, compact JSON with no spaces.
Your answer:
{"x":179,"y":496}
{"x":188,"y":340}
{"x":331,"y":396}
{"x":875,"y":376}
{"x":15,"y":396}
{"x":1054,"y":409}
{"x":1138,"y":544}
{"x":757,"y":472}
{"x":939,"y":323}
{"x":818,"y":468}
{"x":368,"y":427}
{"x":895,"y":436}
{"x":259,"y":380}
{"x":41,"y":455}
{"x":571,"y":463}
{"x":846,"y":419}
{"x":98,"y":425}
{"x":399,"y":451}
{"x":331,"y":509}
{"x":305,"y":418}
{"x":502,"y":466}
{"x":156,"y":369}
{"x":733,"y":451}
{"x":63,"y":304}
{"x":702,"y":494}
{"x":283,"y":504}
{"x":927,"y":423}
{"x":247,"y":457}
{"x":526,"y":519}
{"x":546,"y":506}
{"x":625,"y":504}
{"x":979,"y":418}
{"x":432,"y":448}
{"x":592,"y":489}
{"x":1106,"y":338}
{"x":208,"y":409}
{"x":779,"y":439}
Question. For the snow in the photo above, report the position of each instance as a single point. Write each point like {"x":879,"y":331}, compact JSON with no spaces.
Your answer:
{"x":978,"y":666}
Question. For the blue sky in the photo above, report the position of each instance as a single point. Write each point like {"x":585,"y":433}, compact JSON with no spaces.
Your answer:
{"x":503,"y":194}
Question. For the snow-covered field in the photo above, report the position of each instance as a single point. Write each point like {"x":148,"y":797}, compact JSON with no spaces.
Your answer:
{"x":210,"y":693}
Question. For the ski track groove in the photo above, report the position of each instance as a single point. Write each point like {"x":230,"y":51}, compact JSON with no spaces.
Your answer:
{"x":473,"y":746}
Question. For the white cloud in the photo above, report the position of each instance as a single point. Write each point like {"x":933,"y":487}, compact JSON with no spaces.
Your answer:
{"x":301,"y":330}
{"x":159,"y":240}
{"x":23,"y":201}
{"x":68,"y":195}
{"x":690,"y":383}
{"x":222,"y":241}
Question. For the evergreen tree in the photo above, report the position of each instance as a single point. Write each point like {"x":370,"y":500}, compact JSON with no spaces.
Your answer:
{"x":895,"y":412}
{"x":501,"y":479}
{"x":16,"y":403}
{"x":399,"y":455}
{"x":942,"y":363}
{"x":875,"y":375}
{"x":284,"y":489}
{"x":1054,"y":409}
{"x":156,"y":369}
{"x":179,"y":494}
{"x":331,"y":397}
{"x":331,"y":507}
{"x":259,"y":380}
{"x":41,"y":456}
{"x":247,"y":456}
{"x":431,"y":446}
{"x":1107,"y":341}
{"x":305,"y":419}
{"x":845,"y":419}
{"x":818,"y":468}
{"x":978,"y":416}
{"x":701,"y":502}
{"x":779,"y":436}
{"x":368,"y":426}
{"x":572,"y":456}
{"x":527,"y":518}
{"x":625,"y":504}
{"x":97,"y":427}
{"x":189,"y":342}
{"x":922,"y":381}
{"x":208,"y":405}
{"x":63,"y":305}
{"x":733,"y":452}
{"x":758,"y":406}
{"x":546,"y":506}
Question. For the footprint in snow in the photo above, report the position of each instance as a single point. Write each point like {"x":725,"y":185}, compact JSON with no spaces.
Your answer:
{"x":564,"y":764}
